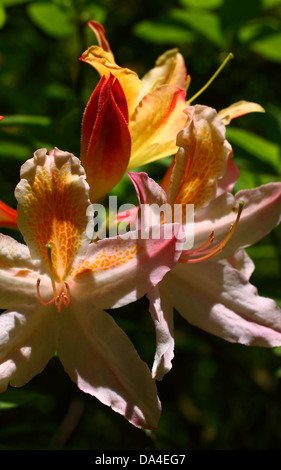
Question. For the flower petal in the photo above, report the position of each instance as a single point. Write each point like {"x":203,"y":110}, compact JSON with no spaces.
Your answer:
{"x":18,"y":273}
{"x":100,"y":358}
{"x":106,"y":140}
{"x":151,"y":198}
{"x":27,"y":343}
{"x":228,"y":181}
{"x":120,"y":270}
{"x":52,"y":202}
{"x":155,"y":124}
{"x":201,"y":159}
{"x":104,"y":63}
{"x":100,"y":34}
{"x":169,"y":69}
{"x":219,"y":299}
{"x":161,"y":309}
{"x":239,"y":109}
{"x":242,"y":262}
{"x":260,"y":215}
{"x":8,"y":216}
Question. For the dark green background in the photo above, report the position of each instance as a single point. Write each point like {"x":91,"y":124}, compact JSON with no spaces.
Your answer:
{"x":218,"y":395}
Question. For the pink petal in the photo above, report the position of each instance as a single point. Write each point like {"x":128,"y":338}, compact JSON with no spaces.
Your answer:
{"x":228,"y":181}
{"x":120,"y":270}
{"x":101,"y":359}
{"x":219,"y":299}
{"x":260,"y":215}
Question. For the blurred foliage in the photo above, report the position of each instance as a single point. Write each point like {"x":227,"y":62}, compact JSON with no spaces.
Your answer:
{"x":218,"y":395}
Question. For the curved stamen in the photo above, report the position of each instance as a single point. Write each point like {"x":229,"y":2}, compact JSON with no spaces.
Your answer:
{"x":228,"y":58}
{"x":206,"y":254}
{"x":39,"y":295}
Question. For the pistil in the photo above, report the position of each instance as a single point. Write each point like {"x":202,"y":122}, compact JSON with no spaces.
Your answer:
{"x":226,"y":60}
{"x":63,"y":296}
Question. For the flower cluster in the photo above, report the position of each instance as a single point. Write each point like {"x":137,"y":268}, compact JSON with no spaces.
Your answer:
{"x":56,"y":287}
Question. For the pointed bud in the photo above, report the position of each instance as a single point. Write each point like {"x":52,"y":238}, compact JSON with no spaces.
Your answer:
{"x":106,"y":140}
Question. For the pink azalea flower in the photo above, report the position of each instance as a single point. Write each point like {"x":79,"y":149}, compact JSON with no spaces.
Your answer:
{"x":210,"y":285}
{"x":56,"y":287}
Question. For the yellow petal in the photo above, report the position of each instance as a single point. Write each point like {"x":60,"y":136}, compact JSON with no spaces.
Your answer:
{"x":156,"y":122}
{"x":201,"y":159}
{"x":169,"y":69}
{"x":105,"y":64}
{"x":239,"y":109}
{"x":52,"y":202}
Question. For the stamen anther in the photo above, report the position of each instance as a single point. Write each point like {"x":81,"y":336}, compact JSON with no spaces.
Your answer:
{"x":205,"y":254}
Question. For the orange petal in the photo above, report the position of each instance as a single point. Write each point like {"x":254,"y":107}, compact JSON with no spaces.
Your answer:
{"x":52,"y":202}
{"x":104,"y":63}
{"x":239,"y":109}
{"x":8,"y":216}
{"x":156,"y":122}
{"x":201,"y":159}
{"x":106,"y":141}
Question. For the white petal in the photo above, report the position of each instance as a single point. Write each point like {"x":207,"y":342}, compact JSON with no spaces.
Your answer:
{"x":161,"y":310}
{"x":27,"y":343}
{"x":18,"y":273}
{"x":219,"y":299}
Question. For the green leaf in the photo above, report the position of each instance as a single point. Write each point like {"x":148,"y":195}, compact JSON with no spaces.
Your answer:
{"x":14,"y":150}
{"x":11,"y":3}
{"x":2,"y":16}
{"x":270,"y":3}
{"x":52,"y":19}
{"x":162,"y":33}
{"x":258,"y":29}
{"x":203,"y":22}
{"x":13,"y":398}
{"x":208,"y":4}
{"x":23,"y":120}
{"x":266,"y":151}
{"x":269,"y":47}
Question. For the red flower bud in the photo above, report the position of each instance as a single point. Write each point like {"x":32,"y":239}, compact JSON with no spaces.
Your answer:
{"x":106,"y":140}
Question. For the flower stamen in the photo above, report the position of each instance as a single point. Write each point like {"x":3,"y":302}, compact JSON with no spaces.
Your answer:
{"x":39,"y":295}
{"x":203,"y":253}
